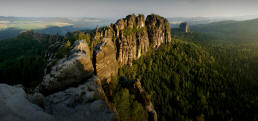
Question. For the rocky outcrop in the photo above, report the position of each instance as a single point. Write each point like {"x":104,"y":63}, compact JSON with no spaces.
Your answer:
{"x":104,"y":59}
{"x":83,"y":102}
{"x":66,"y":92}
{"x":16,"y":107}
{"x":132,"y":39}
{"x":69,"y":70}
{"x":184,"y":27}
{"x":70,"y":91}
{"x":158,"y":30}
{"x":129,"y":38}
{"x":146,"y":102}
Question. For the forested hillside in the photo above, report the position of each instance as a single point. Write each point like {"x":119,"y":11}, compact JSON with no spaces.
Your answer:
{"x":185,"y":82}
{"x":22,"y":59}
{"x":213,"y":79}
{"x":236,"y":47}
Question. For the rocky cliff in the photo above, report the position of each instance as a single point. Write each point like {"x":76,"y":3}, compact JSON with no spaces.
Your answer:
{"x":128,"y":38}
{"x":68,"y":92}
{"x":158,"y":30}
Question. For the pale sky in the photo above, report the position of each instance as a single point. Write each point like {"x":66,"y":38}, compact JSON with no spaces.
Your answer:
{"x":120,"y":8}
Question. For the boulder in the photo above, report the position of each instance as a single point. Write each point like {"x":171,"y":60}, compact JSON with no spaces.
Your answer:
{"x":84,"y":102}
{"x":69,"y":70}
{"x":16,"y":107}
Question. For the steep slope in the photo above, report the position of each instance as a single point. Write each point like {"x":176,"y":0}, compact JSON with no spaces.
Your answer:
{"x":184,"y":82}
{"x":127,"y":40}
{"x":171,"y":76}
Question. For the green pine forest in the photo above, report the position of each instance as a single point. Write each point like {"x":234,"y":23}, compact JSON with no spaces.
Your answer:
{"x":199,"y":76}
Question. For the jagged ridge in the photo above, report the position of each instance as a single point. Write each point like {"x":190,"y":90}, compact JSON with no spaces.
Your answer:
{"x":127,"y":40}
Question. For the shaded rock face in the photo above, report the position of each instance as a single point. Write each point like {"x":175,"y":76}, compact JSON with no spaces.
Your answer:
{"x":130,"y":37}
{"x":68,"y":70}
{"x":158,"y":30}
{"x":184,"y":27}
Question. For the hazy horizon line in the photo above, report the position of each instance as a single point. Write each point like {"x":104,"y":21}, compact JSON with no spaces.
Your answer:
{"x":129,"y":14}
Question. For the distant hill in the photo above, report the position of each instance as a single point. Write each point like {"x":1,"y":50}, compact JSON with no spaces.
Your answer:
{"x":11,"y":26}
{"x":230,"y":30}
{"x":175,"y":21}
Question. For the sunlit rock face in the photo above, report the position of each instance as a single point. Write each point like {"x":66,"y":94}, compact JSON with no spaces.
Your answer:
{"x":104,"y":59}
{"x":69,"y":70}
{"x":158,"y":30}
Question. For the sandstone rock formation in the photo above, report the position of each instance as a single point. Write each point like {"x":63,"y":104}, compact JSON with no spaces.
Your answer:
{"x":70,"y":91}
{"x":69,"y":70}
{"x":83,"y":102}
{"x":129,"y":38}
{"x":132,"y":39}
{"x":158,"y":30}
{"x":104,"y":59}
{"x":184,"y":27}
{"x":68,"y":94}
